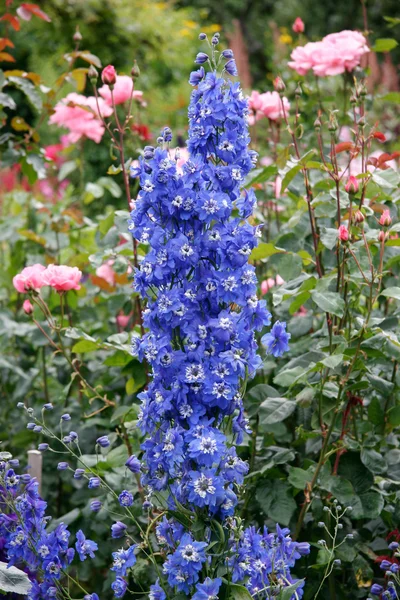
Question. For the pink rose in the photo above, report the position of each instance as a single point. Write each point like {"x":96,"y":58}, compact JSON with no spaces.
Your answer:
{"x":122,"y":91}
{"x":62,"y":278}
{"x":122,"y":320}
{"x":269,"y":283}
{"x":109,"y":75}
{"x":343,"y":233}
{"x":298,"y":25}
{"x":386,"y":219}
{"x":107,"y":273}
{"x":30,"y":278}
{"x":72,"y":112}
{"x":352,"y":185}
{"x":268,"y":105}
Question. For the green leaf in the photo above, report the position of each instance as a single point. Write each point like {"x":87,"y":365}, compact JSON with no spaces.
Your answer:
{"x":262,"y":175}
{"x":380,"y":384}
{"x":66,"y":169}
{"x":329,"y":302}
{"x":239,"y":592}
{"x":275,"y":410}
{"x":27,"y":87}
{"x":329,"y":237}
{"x":7,"y":101}
{"x":299,"y":478}
{"x":384,"y":45}
{"x":14,"y":580}
{"x":106,"y":223}
{"x":290,"y":175}
{"x":394,"y":416}
{"x":85,"y":346}
{"x":351,"y":468}
{"x":374,"y":461}
{"x":392,"y":97}
{"x":391,"y":292}
{"x":288,"y":592}
{"x":263,"y":250}
{"x":375,"y":412}
{"x":275,"y":498}
{"x":371,"y":506}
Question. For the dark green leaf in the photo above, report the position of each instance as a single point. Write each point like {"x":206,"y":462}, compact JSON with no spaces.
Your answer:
{"x":374,"y":461}
{"x":274,"y":497}
{"x":275,"y":410}
{"x":239,"y":592}
{"x":330,"y":302}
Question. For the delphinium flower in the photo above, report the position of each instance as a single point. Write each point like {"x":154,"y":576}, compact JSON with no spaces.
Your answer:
{"x":391,"y":565}
{"x":202,"y":316}
{"x":26,"y":541}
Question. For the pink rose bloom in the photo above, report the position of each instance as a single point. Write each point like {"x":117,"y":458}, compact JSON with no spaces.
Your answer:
{"x":122,"y":320}
{"x":269,"y":283}
{"x":30,"y":278}
{"x":267,"y":105}
{"x":80,"y":115}
{"x":62,"y":278}
{"x":333,"y":55}
{"x":298,"y":25}
{"x":122,"y":91}
{"x":343,"y":233}
{"x":107,"y":273}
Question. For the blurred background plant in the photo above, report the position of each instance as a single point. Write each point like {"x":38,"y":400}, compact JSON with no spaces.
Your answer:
{"x":63,"y":201}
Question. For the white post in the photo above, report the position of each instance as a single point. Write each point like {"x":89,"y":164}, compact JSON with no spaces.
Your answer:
{"x":35,"y":461}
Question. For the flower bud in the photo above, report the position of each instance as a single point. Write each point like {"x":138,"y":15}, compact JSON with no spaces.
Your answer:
{"x":228,"y":53}
{"x":351,"y":186}
{"x":77,"y":37}
{"x":215,"y":40}
{"x":135,"y":71}
{"x":332,"y":124}
{"x":386,"y":219}
{"x":95,"y":505}
{"x":358,"y":217}
{"x":103,"y":441}
{"x":201,"y":58}
{"x":353,"y":100}
{"x":298,"y":25}
{"x":202,"y":36}
{"x":62,"y":466}
{"x":118,"y":530}
{"x":298,"y":91}
{"x":343,"y":233}
{"x":43,"y":447}
{"x":93,"y":75}
{"x":317,"y":124}
{"x":361,"y":122}
{"x":109,"y":76}
{"x":133,"y":464}
{"x":27,"y":307}
{"x":279,"y":86}
{"x":383,"y":236}
{"x":78,"y":474}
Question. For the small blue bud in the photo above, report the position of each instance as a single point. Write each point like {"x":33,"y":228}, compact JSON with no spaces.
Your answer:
{"x":79,"y":473}
{"x":95,"y":505}
{"x":201,"y":58}
{"x":66,"y":417}
{"x":43,"y":447}
{"x":103,"y":441}
{"x":62,"y":466}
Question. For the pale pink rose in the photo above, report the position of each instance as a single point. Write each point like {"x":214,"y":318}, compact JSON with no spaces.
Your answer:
{"x":386,"y":219}
{"x":27,"y":307}
{"x":267,"y":105}
{"x":122,"y":320}
{"x":121,"y":92}
{"x":30,"y":278}
{"x":333,"y":55}
{"x":109,"y":75}
{"x":269,"y":283}
{"x":298,"y":25}
{"x":106,"y":272}
{"x":343,"y":233}
{"x":80,"y":115}
{"x":62,"y":278}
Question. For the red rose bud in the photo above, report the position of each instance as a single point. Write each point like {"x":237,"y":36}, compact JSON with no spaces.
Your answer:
{"x":386,"y":219}
{"x":279,"y":85}
{"x":27,"y":307}
{"x":383,"y":236}
{"x":358,"y":217}
{"x":343,"y":233}
{"x":351,"y":186}
{"x":109,"y":75}
{"x":298,"y":25}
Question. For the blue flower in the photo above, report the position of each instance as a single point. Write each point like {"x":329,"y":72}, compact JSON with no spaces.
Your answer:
{"x":119,"y":587}
{"x":118,"y":530}
{"x":156,"y":592}
{"x":277,"y":340}
{"x":125,"y":498}
{"x":207,"y":590}
{"x":84,"y":547}
{"x":123,"y":560}
{"x":133,"y":464}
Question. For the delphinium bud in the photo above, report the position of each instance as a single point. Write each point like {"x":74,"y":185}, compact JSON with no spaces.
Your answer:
{"x":351,"y":186}
{"x":109,"y":76}
{"x":386,"y":219}
{"x":25,"y":478}
{"x":93,"y":75}
{"x":20,"y":405}
{"x":94,"y":482}
{"x":279,"y":85}
{"x":228,"y":53}
{"x":38,"y":429}
{"x":133,"y":464}
{"x":48,"y":406}
{"x":95,"y":505}
{"x":202,"y":36}
{"x":31,"y":426}
{"x":118,"y":530}
{"x":166,"y":134}
{"x":215,"y":39}
{"x":66,"y":417}
{"x":78,"y":474}
{"x":231,"y":68}
{"x":43,"y":447}
{"x":135,"y":71}
{"x":103,"y":441}
{"x":201,"y":58}
{"x":148,"y":152}
{"x":62,"y":466}
{"x":14,"y":463}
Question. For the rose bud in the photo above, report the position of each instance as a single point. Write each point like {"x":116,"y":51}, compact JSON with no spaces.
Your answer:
{"x":298,"y":25}
{"x":386,"y":219}
{"x":109,"y":75}
{"x":383,"y":236}
{"x":343,"y":233}
{"x":358,"y":217}
{"x":351,"y":186}
{"x":279,"y":85}
{"x":27,"y":307}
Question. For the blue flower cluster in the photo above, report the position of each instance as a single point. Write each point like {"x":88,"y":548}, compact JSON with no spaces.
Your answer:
{"x":26,"y":541}
{"x":391,"y":566}
{"x":264,"y":561}
{"x":202,"y":307}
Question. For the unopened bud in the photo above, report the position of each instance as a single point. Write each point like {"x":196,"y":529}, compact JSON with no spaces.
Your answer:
{"x":317,"y":123}
{"x":343,"y":233}
{"x":135,"y":72}
{"x":77,"y":37}
{"x":361,"y":122}
{"x":358,"y":217}
{"x":109,"y":76}
{"x":298,"y":91}
{"x":27,"y":307}
{"x":362,"y":90}
{"x":202,"y":36}
{"x":351,"y":186}
{"x":279,"y":85}
{"x":93,"y":75}
{"x":353,"y":100}
{"x":332,"y":124}
{"x":386,"y":219}
{"x":383,"y":236}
